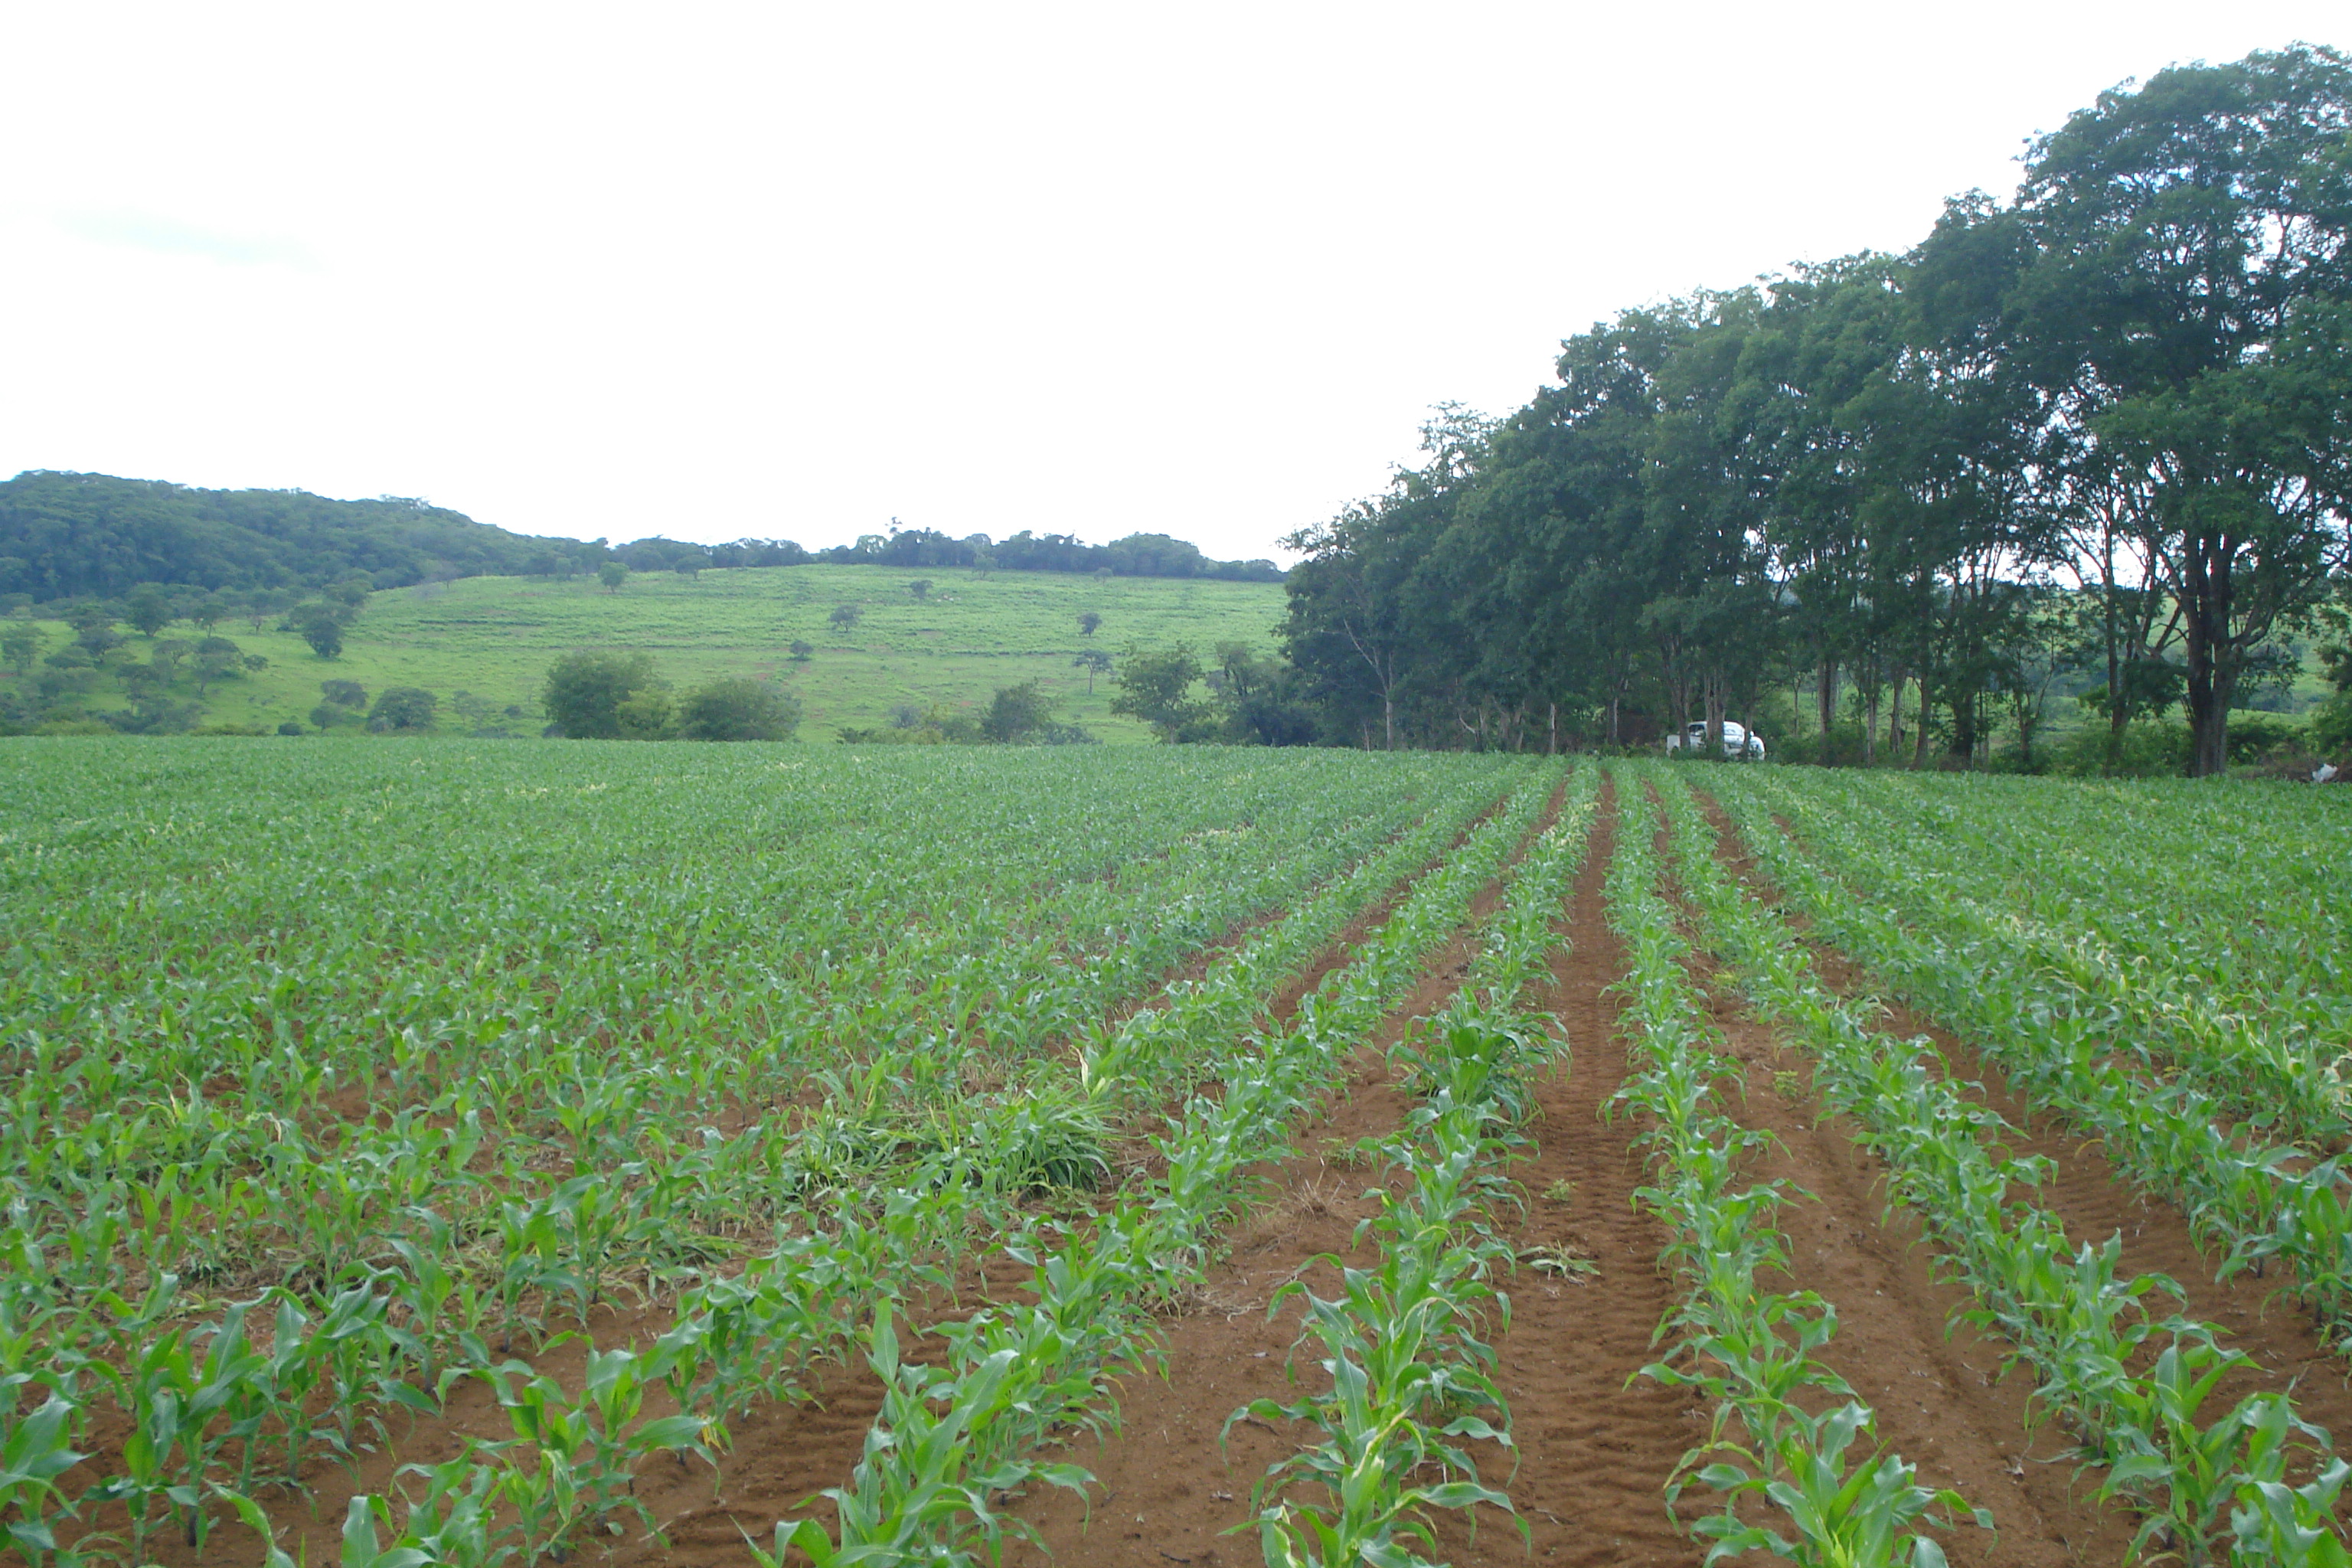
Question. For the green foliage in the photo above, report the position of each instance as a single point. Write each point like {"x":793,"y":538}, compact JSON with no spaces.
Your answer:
{"x":737,"y":709}
{"x":320,"y":625}
{"x":147,"y":610}
{"x":603,"y":694}
{"x":64,"y":535}
{"x":1156,"y":685}
{"x":403,"y":708}
{"x":612,"y":573}
{"x":1864,"y":472}
{"x":20,"y":644}
{"x":493,"y":638}
{"x":1016,"y":713}
{"x":426,"y":1234}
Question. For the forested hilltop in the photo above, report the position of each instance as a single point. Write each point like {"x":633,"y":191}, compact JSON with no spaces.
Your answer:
{"x":2097,"y":439}
{"x":94,"y":537}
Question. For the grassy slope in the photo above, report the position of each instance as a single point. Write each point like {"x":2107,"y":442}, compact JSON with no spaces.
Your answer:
{"x":495,"y":636}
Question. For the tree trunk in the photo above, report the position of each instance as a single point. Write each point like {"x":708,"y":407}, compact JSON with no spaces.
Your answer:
{"x":1870,"y":719}
{"x":1966,"y":714}
{"x":1551,"y":747}
{"x":1919,"y":740}
{"x":2118,"y":714}
{"x":2210,"y":693}
{"x":1829,"y":707}
{"x":2213,"y":662}
{"x":1895,"y":713}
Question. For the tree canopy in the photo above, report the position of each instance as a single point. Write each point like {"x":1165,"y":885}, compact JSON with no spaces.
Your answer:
{"x":66,"y":535}
{"x":2125,"y":392}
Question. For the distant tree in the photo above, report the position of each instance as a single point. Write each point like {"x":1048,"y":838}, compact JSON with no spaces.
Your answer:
{"x":147,"y":610}
{"x":409,"y":708}
{"x":289,"y":728}
{"x":321,"y":627}
{"x":920,"y":587}
{"x":166,"y":655}
{"x":343,"y":693}
{"x":1016,"y":713}
{"x":612,"y":573}
{"x":737,"y":709}
{"x":351,"y":591}
{"x":1155,"y":686}
{"x":215,"y":657}
{"x":1094,"y":661}
{"x":648,"y":713}
{"x":600,"y":694}
{"x":691,"y":564}
{"x":255,"y":608}
{"x":905,"y":716}
{"x":800,"y":651}
{"x":208,"y":611}
{"x":1088,"y":620}
{"x":97,"y":638}
{"x":844,"y":617}
{"x":20,"y":644}
{"x":477,"y":712}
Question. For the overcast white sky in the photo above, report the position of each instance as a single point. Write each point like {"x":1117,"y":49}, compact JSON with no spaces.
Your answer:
{"x":795,"y":269}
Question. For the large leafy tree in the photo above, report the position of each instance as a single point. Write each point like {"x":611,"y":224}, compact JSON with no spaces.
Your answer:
{"x":2189,"y":245}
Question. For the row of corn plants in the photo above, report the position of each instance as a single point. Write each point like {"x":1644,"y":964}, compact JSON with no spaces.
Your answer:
{"x":1785,"y":1422}
{"x":2220,"y":978}
{"x":901,"y":1226}
{"x":2254,"y":1203}
{"x":2134,"y":1389}
{"x":1017,"y":1372}
{"x":211,"y":1414}
{"x":2232,"y":884}
{"x":130,"y":1164}
{"x":1412,"y":1382}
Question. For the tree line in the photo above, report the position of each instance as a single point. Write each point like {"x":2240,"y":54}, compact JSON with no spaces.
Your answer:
{"x":2105,"y":425}
{"x":94,"y":537}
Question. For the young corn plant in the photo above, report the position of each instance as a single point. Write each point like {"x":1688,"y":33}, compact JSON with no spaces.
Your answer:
{"x":1753,"y":1351}
{"x":2078,"y":1325}
{"x":34,"y":1452}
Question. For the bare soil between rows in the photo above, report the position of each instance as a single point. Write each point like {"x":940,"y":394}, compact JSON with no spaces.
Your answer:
{"x":1597,"y":1442}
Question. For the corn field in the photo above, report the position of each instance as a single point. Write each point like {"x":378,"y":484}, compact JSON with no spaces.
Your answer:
{"x":503,"y":1155}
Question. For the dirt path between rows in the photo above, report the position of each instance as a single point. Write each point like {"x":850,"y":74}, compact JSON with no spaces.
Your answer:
{"x":1595,"y":1452}
{"x":1933,"y":1383}
{"x":784,"y":1452}
{"x":2087,"y":1195}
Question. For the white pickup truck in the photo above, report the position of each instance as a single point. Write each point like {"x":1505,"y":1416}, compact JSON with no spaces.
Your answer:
{"x":1737,"y":742}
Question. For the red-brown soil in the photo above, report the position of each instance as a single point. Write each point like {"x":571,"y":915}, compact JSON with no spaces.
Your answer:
{"x":2086,"y":1193}
{"x":1597,"y":1442}
{"x":1596,"y":1451}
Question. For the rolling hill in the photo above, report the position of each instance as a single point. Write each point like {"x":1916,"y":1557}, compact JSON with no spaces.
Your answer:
{"x":492,"y":639}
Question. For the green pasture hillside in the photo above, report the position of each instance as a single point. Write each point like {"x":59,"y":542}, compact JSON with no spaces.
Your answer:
{"x":493,"y":638}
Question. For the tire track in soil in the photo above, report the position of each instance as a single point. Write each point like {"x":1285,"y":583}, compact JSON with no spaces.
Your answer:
{"x":1596,"y":1453}
{"x":2088,"y":1194}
